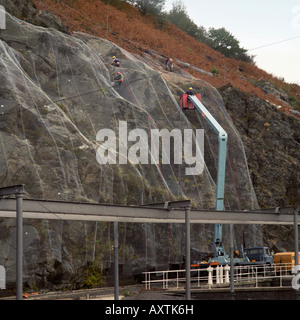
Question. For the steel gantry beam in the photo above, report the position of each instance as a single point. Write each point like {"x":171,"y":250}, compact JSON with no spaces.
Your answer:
{"x":59,"y":210}
{"x":169,"y":212}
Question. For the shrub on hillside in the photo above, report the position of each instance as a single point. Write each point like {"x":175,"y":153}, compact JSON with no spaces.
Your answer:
{"x":151,"y":7}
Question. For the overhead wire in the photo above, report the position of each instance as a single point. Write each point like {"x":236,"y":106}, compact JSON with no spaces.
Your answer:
{"x":59,"y":218}
{"x":74,"y":97}
{"x":274,"y":43}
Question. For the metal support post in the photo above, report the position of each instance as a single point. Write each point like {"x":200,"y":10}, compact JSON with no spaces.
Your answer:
{"x":188,"y":253}
{"x":296,"y":237}
{"x":17,"y":190}
{"x":19,"y":254}
{"x":116,"y":260}
{"x":231,"y":263}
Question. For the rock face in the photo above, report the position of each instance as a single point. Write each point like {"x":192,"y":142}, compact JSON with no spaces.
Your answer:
{"x":269,"y":87}
{"x":26,"y":10}
{"x":56,"y":94}
{"x":272,"y":147}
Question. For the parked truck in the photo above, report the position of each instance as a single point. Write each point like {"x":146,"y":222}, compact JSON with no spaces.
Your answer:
{"x":260,"y":255}
{"x":285,"y":261}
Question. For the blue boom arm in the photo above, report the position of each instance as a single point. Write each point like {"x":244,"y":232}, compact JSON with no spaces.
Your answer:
{"x":222,"y":142}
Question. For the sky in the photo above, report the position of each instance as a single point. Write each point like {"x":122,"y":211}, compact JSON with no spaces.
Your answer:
{"x":256,"y":23}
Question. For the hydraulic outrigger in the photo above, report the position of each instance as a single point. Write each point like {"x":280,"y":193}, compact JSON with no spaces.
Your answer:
{"x":192,"y":102}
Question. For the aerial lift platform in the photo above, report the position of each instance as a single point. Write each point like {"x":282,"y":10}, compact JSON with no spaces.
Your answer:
{"x":193,"y":102}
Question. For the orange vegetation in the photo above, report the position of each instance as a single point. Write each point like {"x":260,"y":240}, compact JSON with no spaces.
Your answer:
{"x":126,"y":27}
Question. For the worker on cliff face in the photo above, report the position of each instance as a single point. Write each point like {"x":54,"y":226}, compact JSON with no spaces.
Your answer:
{"x":169,"y":64}
{"x":190,"y":92}
{"x":115,"y":62}
{"x":119,"y":78}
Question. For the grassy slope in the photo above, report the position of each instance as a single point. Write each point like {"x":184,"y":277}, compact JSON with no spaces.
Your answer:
{"x":135,"y":33}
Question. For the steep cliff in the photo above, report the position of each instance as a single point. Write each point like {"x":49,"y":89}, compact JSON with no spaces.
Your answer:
{"x":56,"y":94}
{"x":272,"y":146}
{"x":271,"y":141}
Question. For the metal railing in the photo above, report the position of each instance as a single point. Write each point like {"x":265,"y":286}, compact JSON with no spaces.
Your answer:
{"x":219,"y":277}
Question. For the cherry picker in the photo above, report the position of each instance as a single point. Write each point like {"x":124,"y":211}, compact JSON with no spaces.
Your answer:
{"x":193,"y":102}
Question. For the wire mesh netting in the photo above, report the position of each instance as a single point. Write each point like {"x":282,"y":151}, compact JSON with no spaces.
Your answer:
{"x":57,"y":92}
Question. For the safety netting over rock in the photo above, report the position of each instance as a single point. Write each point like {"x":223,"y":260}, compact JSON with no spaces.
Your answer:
{"x":57,"y":92}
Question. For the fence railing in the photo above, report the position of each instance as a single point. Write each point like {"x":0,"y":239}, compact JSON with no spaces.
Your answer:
{"x":219,"y":276}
